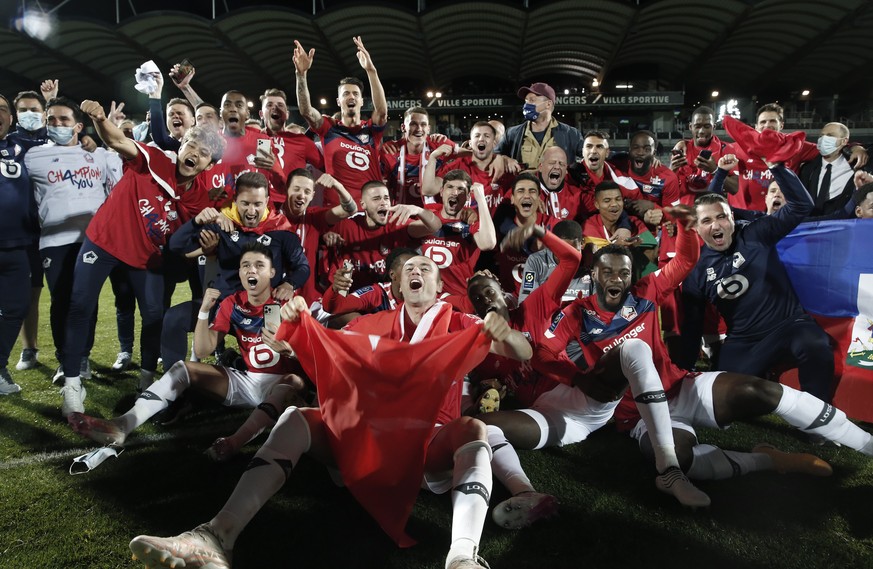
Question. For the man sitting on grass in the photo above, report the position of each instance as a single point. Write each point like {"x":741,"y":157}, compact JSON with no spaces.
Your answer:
{"x":455,"y":454}
{"x":267,"y":383}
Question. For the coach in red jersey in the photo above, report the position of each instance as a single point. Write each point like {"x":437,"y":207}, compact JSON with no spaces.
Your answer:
{"x":350,"y":146}
{"x":156,"y":194}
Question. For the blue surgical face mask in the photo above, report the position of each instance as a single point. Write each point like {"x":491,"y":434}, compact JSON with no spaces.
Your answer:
{"x":827,"y":145}
{"x":141,"y":131}
{"x":60,"y":135}
{"x":529,"y":110}
{"x":30,"y":120}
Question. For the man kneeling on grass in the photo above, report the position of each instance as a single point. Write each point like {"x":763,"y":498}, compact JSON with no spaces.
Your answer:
{"x":267,"y":384}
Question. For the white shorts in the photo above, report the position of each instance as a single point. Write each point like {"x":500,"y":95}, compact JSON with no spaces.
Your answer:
{"x":248,"y":388}
{"x":691,"y":407}
{"x":566,"y":415}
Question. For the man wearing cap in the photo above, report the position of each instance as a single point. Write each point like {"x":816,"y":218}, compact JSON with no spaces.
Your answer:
{"x":526,"y":142}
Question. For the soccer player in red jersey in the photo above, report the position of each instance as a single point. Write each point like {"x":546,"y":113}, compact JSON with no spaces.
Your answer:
{"x":404,"y":168}
{"x":455,"y":246}
{"x":156,"y":194}
{"x":476,"y":162}
{"x":366,"y":238}
{"x":311,"y":223}
{"x":350,"y":146}
{"x":457,"y":454}
{"x":293,"y":150}
{"x":242,"y":314}
{"x":694,"y":170}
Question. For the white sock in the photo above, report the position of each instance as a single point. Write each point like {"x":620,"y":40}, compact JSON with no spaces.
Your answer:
{"x":648,"y":392}
{"x":264,"y":475}
{"x":73,"y":381}
{"x":810,"y":414}
{"x":471,"y":490}
{"x":156,"y":398}
{"x":505,"y":464}
{"x":713,"y":463}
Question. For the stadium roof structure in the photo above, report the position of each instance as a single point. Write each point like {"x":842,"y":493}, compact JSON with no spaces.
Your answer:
{"x":742,"y":46}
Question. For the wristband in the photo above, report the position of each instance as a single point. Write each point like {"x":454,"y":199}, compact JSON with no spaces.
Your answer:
{"x":348,"y":206}
{"x":202,"y":315}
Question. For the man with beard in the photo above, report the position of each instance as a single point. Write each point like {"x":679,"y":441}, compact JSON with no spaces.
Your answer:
{"x":404,"y":169}
{"x":311,"y":223}
{"x":293,"y":149}
{"x":694,"y":170}
{"x":476,"y":162}
{"x":350,"y":145}
{"x":455,"y":246}
{"x":366,"y":238}
{"x":741,"y":275}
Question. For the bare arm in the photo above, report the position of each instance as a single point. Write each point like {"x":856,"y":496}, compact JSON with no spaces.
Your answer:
{"x":430,"y":182}
{"x":486,"y":237}
{"x":504,"y":340}
{"x":427,"y":224}
{"x":184,"y":85}
{"x":111,"y":134}
{"x":380,"y":103}
{"x":302,"y":62}
{"x":346,"y":207}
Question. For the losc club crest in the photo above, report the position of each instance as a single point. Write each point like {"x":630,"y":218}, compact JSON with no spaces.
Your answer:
{"x":364,"y":138}
{"x":738,"y":260}
{"x":90,"y":257}
{"x":628,"y":313}
{"x":265,"y":240}
{"x":47,"y":262}
{"x":384,"y":250}
{"x":234,"y":236}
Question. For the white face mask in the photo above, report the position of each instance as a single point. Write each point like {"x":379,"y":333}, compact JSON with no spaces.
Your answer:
{"x":827,"y":145}
{"x":30,"y":120}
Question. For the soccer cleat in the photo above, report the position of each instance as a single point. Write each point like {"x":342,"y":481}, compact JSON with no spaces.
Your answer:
{"x":122,"y":362}
{"x":58,"y":377}
{"x":196,"y":548}
{"x":474,"y":562}
{"x":7,"y":386}
{"x":27,"y":359}
{"x":524,"y":509}
{"x":74,"y":399}
{"x":99,"y":430}
{"x":786,"y":462}
{"x":85,"y":368}
{"x":673,"y":481}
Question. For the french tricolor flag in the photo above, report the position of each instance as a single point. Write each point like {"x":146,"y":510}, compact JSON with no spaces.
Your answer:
{"x":831,"y":267}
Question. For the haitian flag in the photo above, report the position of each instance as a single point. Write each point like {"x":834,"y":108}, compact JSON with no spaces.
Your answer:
{"x":830,"y":265}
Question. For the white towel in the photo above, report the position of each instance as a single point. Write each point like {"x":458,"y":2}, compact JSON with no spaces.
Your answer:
{"x":145,"y":83}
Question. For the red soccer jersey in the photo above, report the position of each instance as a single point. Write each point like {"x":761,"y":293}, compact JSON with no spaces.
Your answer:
{"x":494,"y":191}
{"x":366,"y":248}
{"x":396,"y":325}
{"x":309,"y":228}
{"x":143,"y":209}
{"x":235,"y":315}
{"x":659,"y":185}
{"x":405,"y":183}
{"x":569,"y":202}
{"x":366,"y":300}
{"x":532,"y":318}
{"x":454,"y":251}
{"x":351,"y":155}
{"x":579,"y":336}
{"x":694,"y":181}
{"x":239,"y":156}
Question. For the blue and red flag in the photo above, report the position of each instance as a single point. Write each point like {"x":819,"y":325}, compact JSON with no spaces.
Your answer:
{"x":831,"y":267}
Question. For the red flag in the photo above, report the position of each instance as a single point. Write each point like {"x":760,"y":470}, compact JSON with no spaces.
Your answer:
{"x":379,"y":399}
{"x":768,"y":144}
